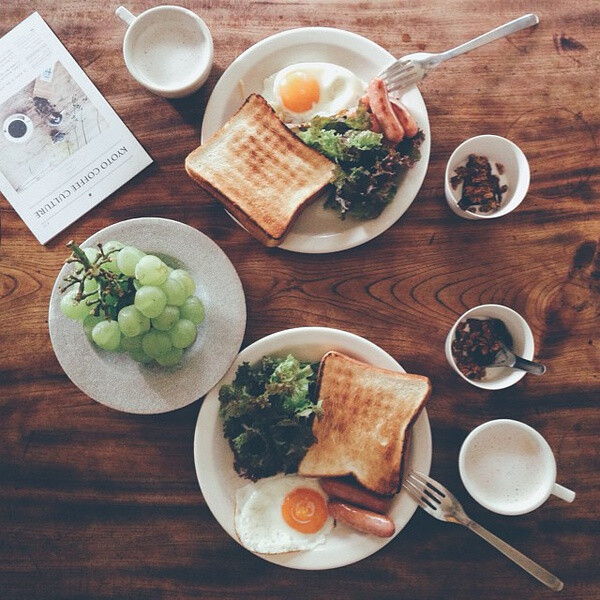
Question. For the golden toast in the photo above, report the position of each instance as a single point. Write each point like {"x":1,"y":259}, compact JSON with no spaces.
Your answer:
{"x":366,"y":421}
{"x":260,"y":171}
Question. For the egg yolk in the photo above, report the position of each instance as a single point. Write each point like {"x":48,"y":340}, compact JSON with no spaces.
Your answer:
{"x":299,"y":92}
{"x":304,"y":510}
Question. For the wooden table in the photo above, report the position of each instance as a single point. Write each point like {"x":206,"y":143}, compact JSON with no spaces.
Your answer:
{"x":96,"y":503}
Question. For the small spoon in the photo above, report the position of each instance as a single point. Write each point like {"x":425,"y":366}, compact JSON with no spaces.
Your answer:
{"x":507,"y":358}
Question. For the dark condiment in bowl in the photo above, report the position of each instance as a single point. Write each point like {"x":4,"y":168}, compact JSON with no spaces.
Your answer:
{"x":476,"y":343}
{"x":481,"y":188}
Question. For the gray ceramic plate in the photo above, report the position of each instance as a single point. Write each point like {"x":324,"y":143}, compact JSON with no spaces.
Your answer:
{"x":116,"y":380}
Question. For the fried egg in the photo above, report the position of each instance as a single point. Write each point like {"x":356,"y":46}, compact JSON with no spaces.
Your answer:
{"x":284,"y":513}
{"x":299,"y":92}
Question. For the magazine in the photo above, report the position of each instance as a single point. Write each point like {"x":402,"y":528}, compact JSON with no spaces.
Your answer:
{"x":63,"y":149}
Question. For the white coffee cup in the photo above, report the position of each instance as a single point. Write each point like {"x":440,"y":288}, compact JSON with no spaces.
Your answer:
{"x":167,"y":49}
{"x":509,"y":468}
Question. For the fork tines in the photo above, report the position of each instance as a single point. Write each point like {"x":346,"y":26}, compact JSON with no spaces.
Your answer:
{"x":423,"y":490}
{"x":399,"y":75}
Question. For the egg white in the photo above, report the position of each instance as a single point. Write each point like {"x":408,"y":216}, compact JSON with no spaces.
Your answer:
{"x":259,"y":523}
{"x":339,"y":89}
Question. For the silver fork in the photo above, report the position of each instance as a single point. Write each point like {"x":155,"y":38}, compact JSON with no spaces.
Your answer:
{"x":411,"y":68}
{"x":439,"y":502}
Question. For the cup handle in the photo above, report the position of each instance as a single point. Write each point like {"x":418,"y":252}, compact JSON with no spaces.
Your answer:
{"x":125,"y":15}
{"x":560,"y":491}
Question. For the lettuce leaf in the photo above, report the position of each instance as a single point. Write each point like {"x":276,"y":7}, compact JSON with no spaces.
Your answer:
{"x":368,"y":169}
{"x":267,"y":415}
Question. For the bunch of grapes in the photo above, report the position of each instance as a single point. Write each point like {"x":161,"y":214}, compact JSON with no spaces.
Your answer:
{"x":130,"y":301}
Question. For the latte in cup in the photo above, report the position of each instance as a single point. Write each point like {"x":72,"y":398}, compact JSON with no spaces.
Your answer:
{"x":509,"y":468}
{"x":167,"y":49}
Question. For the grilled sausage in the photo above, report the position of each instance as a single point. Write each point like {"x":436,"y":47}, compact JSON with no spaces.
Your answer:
{"x":355,"y":494}
{"x":406,"y":119}
{"x":364,"y":102}
{"x":375,"y":124}
{"x":361,"y":519}
{"x":383,"y":111}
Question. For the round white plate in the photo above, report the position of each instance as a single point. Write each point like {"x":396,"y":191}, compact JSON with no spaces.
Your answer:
{"x":214,"y":458}
{"x":116,"y":380}
{"x":319,"y":230}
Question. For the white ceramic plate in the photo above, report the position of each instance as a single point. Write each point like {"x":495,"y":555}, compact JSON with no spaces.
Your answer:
{"x":318,"y":230}
{"x":214,"y":458}
{"x":118,"y":381}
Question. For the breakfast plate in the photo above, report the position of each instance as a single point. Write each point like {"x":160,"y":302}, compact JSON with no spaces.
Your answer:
{"x":119,"y":382}
{"x":214,"y":459}
{"x":318,"y":230}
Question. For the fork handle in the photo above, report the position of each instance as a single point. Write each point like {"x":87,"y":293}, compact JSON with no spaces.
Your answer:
{"x":490,"y":36}
{"x":525,"y":563}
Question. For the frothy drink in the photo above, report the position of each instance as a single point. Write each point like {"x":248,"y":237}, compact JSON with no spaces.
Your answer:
{"x":507,"y":468}
{"x":168,"y":49}
{"x":168,"y":54}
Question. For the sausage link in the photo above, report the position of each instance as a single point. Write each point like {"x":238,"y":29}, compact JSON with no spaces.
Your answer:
{"x":406,"y":119}
{"x":383,"y":111}
{"x":364,"y":102}
{"x":353,"y":494}
{"x":375,"y":124}
{"x":361,"y":519}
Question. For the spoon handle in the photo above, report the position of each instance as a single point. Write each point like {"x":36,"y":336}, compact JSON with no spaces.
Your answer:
{"x":529,"y":366}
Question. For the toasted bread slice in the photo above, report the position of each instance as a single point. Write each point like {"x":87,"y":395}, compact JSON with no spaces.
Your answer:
{"x":260,"y":171}
{"x":366,"y":421}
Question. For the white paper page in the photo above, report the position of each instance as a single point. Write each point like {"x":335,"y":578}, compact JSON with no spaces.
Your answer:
{"x":63,"y":149}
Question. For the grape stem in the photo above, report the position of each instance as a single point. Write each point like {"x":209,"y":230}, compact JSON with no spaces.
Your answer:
{"x":115,"y":290}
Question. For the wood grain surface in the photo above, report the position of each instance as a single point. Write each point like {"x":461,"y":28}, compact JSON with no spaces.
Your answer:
{"x":96,"y":503}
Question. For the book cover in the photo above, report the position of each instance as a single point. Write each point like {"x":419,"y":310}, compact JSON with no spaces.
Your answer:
{"x":63,"y":149}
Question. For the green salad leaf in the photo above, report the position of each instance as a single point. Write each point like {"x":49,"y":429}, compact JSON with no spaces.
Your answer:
{"x":368,"y":168}
{"x":267,"y":415}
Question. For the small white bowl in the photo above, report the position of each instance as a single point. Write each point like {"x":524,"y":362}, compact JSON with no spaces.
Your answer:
{"x":498,"y":150}
{"x":497,"y":378}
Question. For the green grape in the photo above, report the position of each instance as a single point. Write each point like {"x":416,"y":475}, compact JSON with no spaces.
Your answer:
{"x":175,"y":291}
{"x":166,"y":319}
{"x":91,"y":299}
{"x":112,"y":248}
{"x":72,"y":309}
{"x":91,"y":253}
{"x":150,"y":300}
{"x":171,"y":358}
{"x":193,"y":309}
{"x":89,"y":323}
{"x":112,"y":245}
{"x":136,"y":284}
{"x":107,"y":335}
{"x":140,"y":356}
{"x":132,"y":322}
{"x":156,"y":343}
{"x":127,"y":259}
{"x":132,"y":343}
{"x":185,"y":278}
{"x":150,"y":270}
{"x":183,"y":333}
{"x":90,"y":285}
